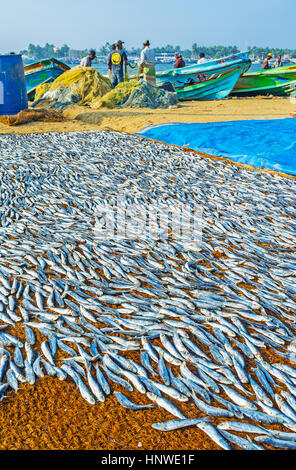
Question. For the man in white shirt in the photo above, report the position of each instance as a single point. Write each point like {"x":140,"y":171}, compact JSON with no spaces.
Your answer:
{"x":86,"y":61}
{"x":202,"y":58}
{"x":147,"y":63}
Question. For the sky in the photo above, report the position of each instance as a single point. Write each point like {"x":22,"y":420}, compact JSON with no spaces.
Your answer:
{"x":90,"y":23}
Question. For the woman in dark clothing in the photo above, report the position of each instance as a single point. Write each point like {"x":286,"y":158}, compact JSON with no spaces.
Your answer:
{"x":179,"y":61}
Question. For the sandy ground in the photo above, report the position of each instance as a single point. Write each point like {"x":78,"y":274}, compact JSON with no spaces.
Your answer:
{"x":81,"y":118}
{"x":51,"y":414}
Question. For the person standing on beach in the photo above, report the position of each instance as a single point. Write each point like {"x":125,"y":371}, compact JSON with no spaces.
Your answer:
{"x":202,"y":59}
{"x":265,"y":64}
{"x":109,"y":66}
{"x":147,"y":63}
{"x":86,"y":61}
{"x":179,"y":61}
{"x":278,"y":62}
{"x":116,"y":59}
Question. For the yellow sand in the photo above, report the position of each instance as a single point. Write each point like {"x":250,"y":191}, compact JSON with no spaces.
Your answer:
{"x":132,"y":120}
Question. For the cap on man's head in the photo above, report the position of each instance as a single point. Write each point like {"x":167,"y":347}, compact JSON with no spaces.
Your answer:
{"x":119,"y":42}
{"x":146,"y":42}
{"x":269,"y":54}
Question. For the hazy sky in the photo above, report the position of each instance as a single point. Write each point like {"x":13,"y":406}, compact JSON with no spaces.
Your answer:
{"x":90,"y":23}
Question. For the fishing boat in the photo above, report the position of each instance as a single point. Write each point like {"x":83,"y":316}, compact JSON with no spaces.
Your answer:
{"x":208,"y":81}
{"x":44,"y":71}
{"x":280,"y":81}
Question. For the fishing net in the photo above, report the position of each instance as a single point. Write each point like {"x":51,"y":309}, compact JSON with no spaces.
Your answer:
{"x":41,"y":90}
{"x":86,"y":86}
{"x":149,"y":96}
{"x":79,"y":85}
{"x":137,"y":94}
{"x":118,"y":95}
{"x":29,"y":115}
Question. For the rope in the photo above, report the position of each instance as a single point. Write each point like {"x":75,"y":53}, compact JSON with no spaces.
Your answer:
{"x":126,"y":77}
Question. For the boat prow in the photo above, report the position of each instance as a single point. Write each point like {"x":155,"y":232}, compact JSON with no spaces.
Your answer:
{"x":208,"y":81}
{"x":44,"y":71}
{"x":279,"y":81}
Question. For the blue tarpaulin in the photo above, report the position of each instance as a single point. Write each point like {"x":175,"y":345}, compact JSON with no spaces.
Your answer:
{"x":267,"y":143}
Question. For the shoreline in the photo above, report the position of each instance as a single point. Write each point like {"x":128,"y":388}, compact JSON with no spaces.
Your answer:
{"x":131,"y":120}
{"x":83,"y":118}
{"x":51,"y":415}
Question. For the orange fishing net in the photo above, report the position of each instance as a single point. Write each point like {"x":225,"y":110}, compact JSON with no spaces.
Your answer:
{"x":29,"y":115}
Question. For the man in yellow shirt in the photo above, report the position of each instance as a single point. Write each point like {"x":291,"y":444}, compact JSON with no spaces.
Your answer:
{"x":265,"y":64}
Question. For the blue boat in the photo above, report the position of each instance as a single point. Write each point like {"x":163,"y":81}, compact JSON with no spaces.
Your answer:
{"x":208,"y":81}
{"x":44,"y":71}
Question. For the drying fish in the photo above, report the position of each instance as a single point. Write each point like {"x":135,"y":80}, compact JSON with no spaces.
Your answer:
{"x":199,"y":318}
{"x":177,"y":424}
{"x":128,"y":404}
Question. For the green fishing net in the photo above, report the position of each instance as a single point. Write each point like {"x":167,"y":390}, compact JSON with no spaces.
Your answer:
{"x":137,"y":94}
{"x":118,"y":95}
{"x":149,"y":96}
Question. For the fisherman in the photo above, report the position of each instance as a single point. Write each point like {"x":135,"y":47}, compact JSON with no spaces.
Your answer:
{"x":86,"y":61}
{"x":147,"y":63}
{"x":116,"y":59}
{"x":278,"y":62}
{"x":265,"y":64}
{"x":202,"y":58}
{"x":113,"y":47}
{"x":179,"y":61}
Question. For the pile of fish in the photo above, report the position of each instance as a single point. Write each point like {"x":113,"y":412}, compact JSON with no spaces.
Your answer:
{"x":214,"y":326}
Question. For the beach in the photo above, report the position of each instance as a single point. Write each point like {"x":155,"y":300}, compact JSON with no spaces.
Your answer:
{"x":51,"y":414}
{"x":147,"y":232}
{"x":81,"y":118}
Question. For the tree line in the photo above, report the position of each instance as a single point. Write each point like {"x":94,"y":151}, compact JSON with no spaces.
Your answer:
{"x":50,"y":50}
{"x":258,"y":51}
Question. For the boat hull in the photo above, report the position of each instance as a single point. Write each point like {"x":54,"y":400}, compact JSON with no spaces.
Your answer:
{"x":208,"y":81}
{"x":45,"y":71}
{"x":278,"y":82}
{"x":218,"y":86}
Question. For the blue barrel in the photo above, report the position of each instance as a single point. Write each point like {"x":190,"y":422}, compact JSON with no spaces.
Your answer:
{"x":13,"y":93}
